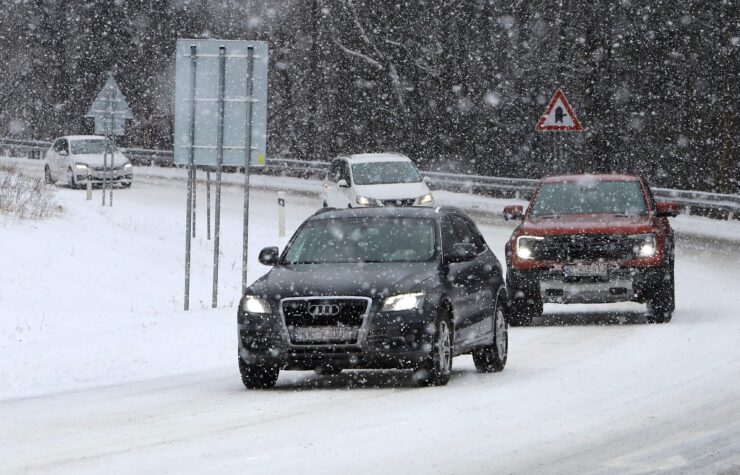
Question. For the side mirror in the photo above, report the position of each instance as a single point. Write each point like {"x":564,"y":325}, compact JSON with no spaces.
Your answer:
{"x":427,"y":180}
{"x":513,"y":212}
{"x":269,"y":256}
{"x":461,"y":252}
{"x":343,"y":183}
{"x":667,"y":209}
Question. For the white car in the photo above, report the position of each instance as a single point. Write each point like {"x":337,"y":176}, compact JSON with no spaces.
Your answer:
{"x":374,"y":179}
{"x":75,"y":159}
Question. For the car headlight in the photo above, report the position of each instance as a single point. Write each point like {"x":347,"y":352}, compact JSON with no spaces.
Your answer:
{"x":127,"y":165}
{"x":525,"y":246}
{"x":254,"y":304}
{"x":81,"y":166}
{"x":365,"y":201}
{"x":644,"y":244}
{"x":399,"y":302}
{"x":426,"y":199}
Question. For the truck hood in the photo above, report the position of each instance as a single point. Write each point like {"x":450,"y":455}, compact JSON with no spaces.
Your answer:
{"x":368,"y":279}
{"x":393,"y":191}
{"x":588,"y":224}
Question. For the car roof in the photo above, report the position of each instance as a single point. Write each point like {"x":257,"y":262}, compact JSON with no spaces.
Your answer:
{"x":588,"y":177}
{"x":375,"y":157}
{"x":81,"y":137}
{"x":385,"y":212}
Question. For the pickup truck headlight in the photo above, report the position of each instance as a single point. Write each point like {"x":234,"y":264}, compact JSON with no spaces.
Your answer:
{"x":644,"y":244}
{"x":525,"y":246}
{"x":399,"y":302}
{"x":365,"y":201}
{"x":426,"y":200}
{"x":254,"y":304}
{"x":81,"y":166}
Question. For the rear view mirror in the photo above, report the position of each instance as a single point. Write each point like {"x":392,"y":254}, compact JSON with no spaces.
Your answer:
{"x":462,"y":252}
{"x":343,"y":183}
{"x":269,"y":256}
{"x":513,"y":212}
{"x":667,"y":209}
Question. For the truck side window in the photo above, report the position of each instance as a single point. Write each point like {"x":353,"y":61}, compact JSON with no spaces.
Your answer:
{"x":344,"y":171}
{"x":334,"y":171}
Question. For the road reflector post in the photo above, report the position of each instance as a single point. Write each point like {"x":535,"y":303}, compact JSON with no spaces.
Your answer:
{"x":88,"y":188}
{"x":281,"y":214}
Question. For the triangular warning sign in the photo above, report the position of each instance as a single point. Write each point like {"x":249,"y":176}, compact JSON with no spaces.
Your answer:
{"x":558,"y":116}
{"x":110,"y":102}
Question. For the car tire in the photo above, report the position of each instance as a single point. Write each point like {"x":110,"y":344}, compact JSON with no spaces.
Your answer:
{"x":522,"y":311}
{"x":661,"y":304}
{"x":436,"y":369}
{"x":258,"y":376}
{"x":47,"y":176}
{"x":492,"y":358}
{"x":71,"y":179}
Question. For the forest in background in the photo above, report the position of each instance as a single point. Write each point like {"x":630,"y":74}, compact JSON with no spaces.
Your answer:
{"x":458,"y":85}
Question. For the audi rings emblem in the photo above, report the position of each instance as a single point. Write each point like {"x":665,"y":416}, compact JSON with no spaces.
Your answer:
{"x":323,"y":310}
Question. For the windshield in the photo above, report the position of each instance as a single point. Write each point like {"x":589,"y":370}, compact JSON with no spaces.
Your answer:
{"x":379,"y":173}
{"x":91,"y":146}
{"x":590,"y":197}
{"x":363,"y":240}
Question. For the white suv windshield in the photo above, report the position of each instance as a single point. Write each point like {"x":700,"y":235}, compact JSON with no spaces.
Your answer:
{"x":380,"y":173}
{"x":89,"y":147}
{"x":590,"y":197}
{"x":363,"y":240}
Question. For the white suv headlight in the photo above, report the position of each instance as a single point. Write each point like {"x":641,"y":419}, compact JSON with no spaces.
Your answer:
{"x":525,"y":246}
{"x":427,"y":199}
{"x":399,"y":302}
{"x":81,"y":166}
{"x":365,"y":201}
{"x":644,"y":244}
{"x":127,"y":165}
{"x":254,"y":304}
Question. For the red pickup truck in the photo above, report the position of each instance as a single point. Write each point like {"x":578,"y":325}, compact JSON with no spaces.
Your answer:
{"x":591,"y":239}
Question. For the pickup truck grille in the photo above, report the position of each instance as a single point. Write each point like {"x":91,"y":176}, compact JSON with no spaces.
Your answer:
{"x":585,"y":247}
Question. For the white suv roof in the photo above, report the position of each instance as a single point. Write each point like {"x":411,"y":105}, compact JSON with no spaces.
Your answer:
{"x":376,"y":157}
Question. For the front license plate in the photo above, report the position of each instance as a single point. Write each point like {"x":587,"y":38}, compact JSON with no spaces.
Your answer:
{"x":586,"y":270}
{"x":324,"y":334}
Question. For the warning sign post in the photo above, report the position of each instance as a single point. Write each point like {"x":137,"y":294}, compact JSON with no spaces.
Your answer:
{"x":558,"y":117}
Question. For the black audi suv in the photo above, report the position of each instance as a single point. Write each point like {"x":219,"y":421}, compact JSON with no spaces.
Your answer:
{"x":375,"y":288}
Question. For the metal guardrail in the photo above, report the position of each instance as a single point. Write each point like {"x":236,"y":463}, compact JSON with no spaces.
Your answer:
{"x":713,"y":205}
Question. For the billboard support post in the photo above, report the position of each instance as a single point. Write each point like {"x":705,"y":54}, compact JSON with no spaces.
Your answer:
{"x":191,"y":158}
{"x":219,"y":167}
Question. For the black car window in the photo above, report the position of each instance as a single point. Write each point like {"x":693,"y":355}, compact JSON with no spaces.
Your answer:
{"x":469,"y":233}
{"x":450,"y":234}
{"x":344,"y":171}
{"x":60,"y":145}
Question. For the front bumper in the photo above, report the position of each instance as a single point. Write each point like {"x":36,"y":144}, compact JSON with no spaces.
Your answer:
{"x":623,"y":284}
{"x":119,"y":175}
{"x":388,"y":340}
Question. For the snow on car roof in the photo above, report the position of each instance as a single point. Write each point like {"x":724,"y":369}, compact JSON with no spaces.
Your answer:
{"x":588,"y":177}
{"x":377,"y":157}
{"x":83,"y":137}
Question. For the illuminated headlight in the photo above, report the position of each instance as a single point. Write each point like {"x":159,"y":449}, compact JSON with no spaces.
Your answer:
{"x":365,"y":201}
{"x":254,"y":304}
{"x":525,"y":246}
{"x":81,"y":166}
{"x":127,"y":165}
{"x":426,"y":200}
{"x":399,"y":302}
{"x":644,"y":245}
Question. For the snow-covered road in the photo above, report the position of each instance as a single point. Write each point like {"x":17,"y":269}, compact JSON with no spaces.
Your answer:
{"x":101,"y":371}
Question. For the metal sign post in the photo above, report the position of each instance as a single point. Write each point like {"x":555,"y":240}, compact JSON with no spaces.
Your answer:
{"x":110,"y":110}
{"x":224,"y":123}
{"x":191,"y":159}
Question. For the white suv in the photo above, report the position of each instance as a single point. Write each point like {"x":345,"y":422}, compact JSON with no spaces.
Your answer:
{"x":77,"y":159}
{"x":374,"y":179}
